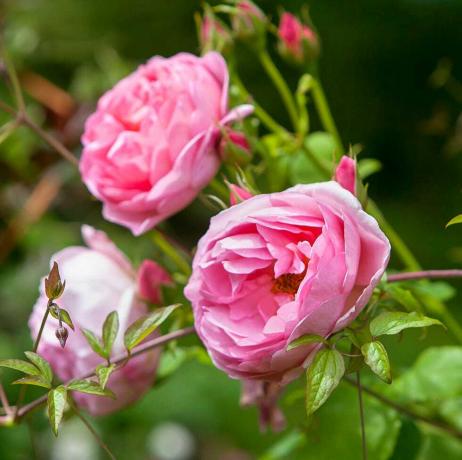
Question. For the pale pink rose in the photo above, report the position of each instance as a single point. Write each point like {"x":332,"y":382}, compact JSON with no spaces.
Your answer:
{"x":279,"y":266}
{"x":345,"y":174}
{"x":150,"y":147}
{"x":297,"y":40}
{"x":99,"y":279}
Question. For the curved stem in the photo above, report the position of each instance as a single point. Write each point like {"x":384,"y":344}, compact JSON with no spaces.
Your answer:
{"x":149,"y":345}
{"x":430,"y":274}
{"x":172,"y":253}
{"x":281,"y":85}
{"x":404,"y":410}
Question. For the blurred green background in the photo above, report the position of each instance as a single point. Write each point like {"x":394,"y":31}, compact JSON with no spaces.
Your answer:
{"x":377,"y":61}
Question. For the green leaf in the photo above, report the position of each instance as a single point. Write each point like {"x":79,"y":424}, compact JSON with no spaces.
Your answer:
{"x":20,"y":365}
{"x":306,"y":339}
{"x":376,"y":357}
{"x":89,"y":387}
{"x":323,"y":376}
{"x":103,"y":373}
{"x":65,"y":317}
{"x":455,"y":220}
{"x":94,"y":343}
{"x":41,"y":364}
{"x":36,"y":380}
{"x":368,"y":166}
{"x":56,"y":403}
{"x":389,"y":323}
{"x":145,"y":325}
{"x":286,"y":446}
{"x":110,"y":329}
{"x":404,"y":297}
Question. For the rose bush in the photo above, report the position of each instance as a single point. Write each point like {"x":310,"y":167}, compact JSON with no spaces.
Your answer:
{"x":279,"y":266}
{"x":150,"y":147}
{"x":100,"y":279}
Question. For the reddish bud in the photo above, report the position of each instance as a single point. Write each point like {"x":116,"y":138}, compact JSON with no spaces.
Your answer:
{"x":298,"y":42}
{"x":62,"y":335}
{"x":235,"y":147}
{"x":345,"y":174}
{"x":238,"y":194}
{"x":249,"y":22}
{"x":53,"y":285}
{"x":214,"y":35}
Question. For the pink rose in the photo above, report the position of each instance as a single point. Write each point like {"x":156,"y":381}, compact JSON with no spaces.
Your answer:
{"x":99,"y":279}
{"x":150,"y":147}
{"x":279,"y":266}
{"x":298,"y":42}
{"x":237,"y":194}
{"x":345,"y":174}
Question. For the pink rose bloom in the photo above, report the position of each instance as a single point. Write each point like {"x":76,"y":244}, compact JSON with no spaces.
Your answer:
{"x":99,"y":279}
{"x":345,"y":174}
{"x":279,"y":266}
{"x":150,"y":146}
{"x":297,"y":40}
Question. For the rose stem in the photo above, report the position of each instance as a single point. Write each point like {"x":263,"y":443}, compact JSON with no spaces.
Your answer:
{"x":431,"y":274}
{"x":361,"y":416}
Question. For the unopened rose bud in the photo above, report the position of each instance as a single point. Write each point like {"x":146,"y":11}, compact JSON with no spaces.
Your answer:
{"x":54,"y":287}
{"x":214,"y":35}
{"x":238,"y":194}
{"x":249,"y":23}
{"x":298,"y":43}
{"x":346,"y":174}
{"x":62,"y":334}
{"x":235,"y":147}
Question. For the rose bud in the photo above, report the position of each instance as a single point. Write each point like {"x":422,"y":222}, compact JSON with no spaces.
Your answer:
{"x":237,"y":194}
{"x":345,"y":174}
{"x":249,"y":22}
{"x":150,"y":147}
{"x":298,"y":43}
{"x":234,"y":147}
{"x":100,"y":279}
{"x":214,"y":35}
{"x":278,"y":266}
{"x":62,"y":334}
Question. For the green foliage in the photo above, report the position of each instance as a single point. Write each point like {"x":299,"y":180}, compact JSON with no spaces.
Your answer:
{"x":306,"y":339}
{"x":322,"y":377}
{"x":404,"y":297}
{"x":58,"y":313}
{"x":95,"y":343}
{"x":89,"y":387}
{"x":41,"y":364}
{"x":57,"y":398}
{"x":455,"y":220}
{"x":389,"y":323}
{"x":103,"y":373}
{"x":20,"y":365}
{"x":146,"y":325}
{"x":110,"y":329}
{"x":35,"y":380}
{"x":376,"y":357}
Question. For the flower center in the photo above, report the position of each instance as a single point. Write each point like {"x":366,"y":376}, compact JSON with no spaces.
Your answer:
{"x":287,"y":283}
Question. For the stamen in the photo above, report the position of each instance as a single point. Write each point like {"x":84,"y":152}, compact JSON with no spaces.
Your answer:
{"x":287,"y":283}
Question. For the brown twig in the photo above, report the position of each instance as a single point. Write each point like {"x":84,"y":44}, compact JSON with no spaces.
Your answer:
{"x":154,"y":343}
{"x":430,"y":274}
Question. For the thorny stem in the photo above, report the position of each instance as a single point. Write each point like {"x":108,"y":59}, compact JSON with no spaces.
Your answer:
{"x":361,"y":415}
{"x":91,"y":430}
{"x":149,"y":345}
{"x":404,"y":410}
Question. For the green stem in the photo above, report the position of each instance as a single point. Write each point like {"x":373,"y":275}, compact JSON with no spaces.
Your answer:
{"x":281,"y":85}
{"x":325,"y":115}
{"x":361,"y":416}
{"x":92,"y":431}
{"x":259,"y":111}
{"x":171,"y":252}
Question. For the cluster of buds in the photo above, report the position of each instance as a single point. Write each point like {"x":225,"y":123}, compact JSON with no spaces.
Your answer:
{"x":298,"y":43}
{"x":214,"y":34}
{"x":54,"y":288}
